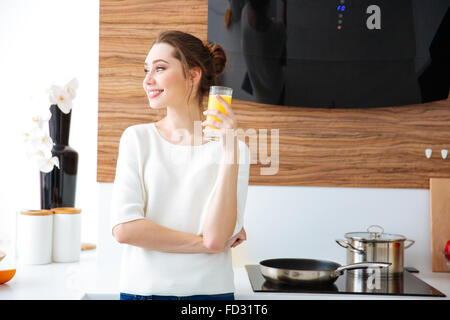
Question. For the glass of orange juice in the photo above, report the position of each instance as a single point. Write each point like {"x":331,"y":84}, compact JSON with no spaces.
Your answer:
{"x":214,"y":104}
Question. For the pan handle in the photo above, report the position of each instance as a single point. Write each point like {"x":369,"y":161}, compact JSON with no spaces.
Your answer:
{"x":362,"y":265}
{"x":349,"y":246}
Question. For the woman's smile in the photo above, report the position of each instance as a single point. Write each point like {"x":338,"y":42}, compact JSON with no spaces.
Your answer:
{"x":153,"y":93}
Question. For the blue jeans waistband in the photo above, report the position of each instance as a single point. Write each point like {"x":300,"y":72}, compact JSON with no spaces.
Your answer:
{"x":224,"y":296}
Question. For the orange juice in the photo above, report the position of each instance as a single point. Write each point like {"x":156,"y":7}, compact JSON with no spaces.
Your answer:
{"x":214,"y":104}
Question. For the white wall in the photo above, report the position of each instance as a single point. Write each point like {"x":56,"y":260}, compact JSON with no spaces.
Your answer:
{"x":305,"y":221}
{"x":46,"y":42}
{"x":42,"y":43}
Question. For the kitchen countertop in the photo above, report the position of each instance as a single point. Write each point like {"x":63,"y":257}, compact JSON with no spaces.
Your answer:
{"x":87,"y":280}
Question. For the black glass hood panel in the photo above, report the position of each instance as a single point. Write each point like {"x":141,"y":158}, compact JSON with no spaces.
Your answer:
{"x":334,"y":53}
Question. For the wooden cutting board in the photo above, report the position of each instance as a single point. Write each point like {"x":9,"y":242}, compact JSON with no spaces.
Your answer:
{"x":440,"y":221}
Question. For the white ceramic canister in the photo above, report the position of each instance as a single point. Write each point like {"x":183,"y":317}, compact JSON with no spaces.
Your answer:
{"x":66,"y":234}
{"x":35,"y":233}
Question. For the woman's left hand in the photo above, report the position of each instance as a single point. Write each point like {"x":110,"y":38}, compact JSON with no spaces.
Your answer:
{"x":240,"y":237}
{"x":227,"y":121}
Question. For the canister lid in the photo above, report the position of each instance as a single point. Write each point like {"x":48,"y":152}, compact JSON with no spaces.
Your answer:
{"x":66,"y":210}
{"x":42,"y":212}
{"x":374,"y":236}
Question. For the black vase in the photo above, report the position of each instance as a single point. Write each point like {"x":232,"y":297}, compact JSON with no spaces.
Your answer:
{"x":59,"y":185}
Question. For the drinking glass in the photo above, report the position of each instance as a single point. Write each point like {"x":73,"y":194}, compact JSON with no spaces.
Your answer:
{"x":214,"y":104}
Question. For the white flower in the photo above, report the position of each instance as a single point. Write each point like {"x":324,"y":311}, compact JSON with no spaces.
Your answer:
{"x":71,"y":88}
{"x":37,"y":154}
{"x":37,"y":135}
{"x":32,"y":135}
{"x":44,"y":142}
{"x":46,"y":164}
{"x":60,"y":97}
{"x":39,"y":144}
{"x":63,"y":96}
{"x":42,"y":119}
{"x":44,"y":159}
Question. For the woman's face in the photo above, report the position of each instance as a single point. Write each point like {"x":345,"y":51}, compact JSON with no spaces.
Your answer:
{"x":164,"y":82}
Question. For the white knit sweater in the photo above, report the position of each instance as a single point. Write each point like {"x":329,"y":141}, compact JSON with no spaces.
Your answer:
{"x":171,"y":185}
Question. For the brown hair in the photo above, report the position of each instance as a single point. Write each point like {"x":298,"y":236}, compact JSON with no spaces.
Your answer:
{"x":193,"y":52}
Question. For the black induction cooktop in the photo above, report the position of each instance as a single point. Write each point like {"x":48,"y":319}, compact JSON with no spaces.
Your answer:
{"x":406,"y":285}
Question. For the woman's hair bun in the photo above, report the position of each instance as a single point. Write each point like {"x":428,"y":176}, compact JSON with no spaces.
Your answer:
{"x":219,"y":58}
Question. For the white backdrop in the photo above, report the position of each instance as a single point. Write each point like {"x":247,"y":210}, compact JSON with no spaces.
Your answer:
{"x":42,"y":43}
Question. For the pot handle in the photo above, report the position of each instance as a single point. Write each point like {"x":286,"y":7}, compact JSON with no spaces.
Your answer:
{"x":374,"y":234}
{"x":362,"y":265}
{"x":349,"y":246}
{"x":409,"y":244}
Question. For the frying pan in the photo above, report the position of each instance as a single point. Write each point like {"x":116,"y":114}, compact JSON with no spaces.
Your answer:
{"x":309,"y":271}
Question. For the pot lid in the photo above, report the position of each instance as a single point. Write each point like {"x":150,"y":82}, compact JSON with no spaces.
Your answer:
{"x":374,"y":235}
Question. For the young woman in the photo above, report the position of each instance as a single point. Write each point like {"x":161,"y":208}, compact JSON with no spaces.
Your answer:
{"x":178,"y":199}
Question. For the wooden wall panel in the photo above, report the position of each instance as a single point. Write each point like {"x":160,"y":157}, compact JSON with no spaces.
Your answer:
{"x":440,"y":222}
{"x":380,"y":147}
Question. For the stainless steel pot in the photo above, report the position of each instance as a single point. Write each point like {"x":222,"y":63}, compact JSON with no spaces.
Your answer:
{"x":376,"y":246}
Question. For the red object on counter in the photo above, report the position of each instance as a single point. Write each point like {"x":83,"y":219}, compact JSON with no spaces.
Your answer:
{"x":447,"y":250}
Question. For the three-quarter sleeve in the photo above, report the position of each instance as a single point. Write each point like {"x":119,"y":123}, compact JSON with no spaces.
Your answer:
{"x":242,"y":185}
{"x":128,"y":196}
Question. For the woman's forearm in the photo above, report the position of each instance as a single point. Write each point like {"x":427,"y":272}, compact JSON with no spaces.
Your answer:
{"x":152,"y":236}
{"x":222,"y":212}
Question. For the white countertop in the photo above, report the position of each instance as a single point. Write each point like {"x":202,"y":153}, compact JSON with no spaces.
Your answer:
{"x":86,"y":279}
